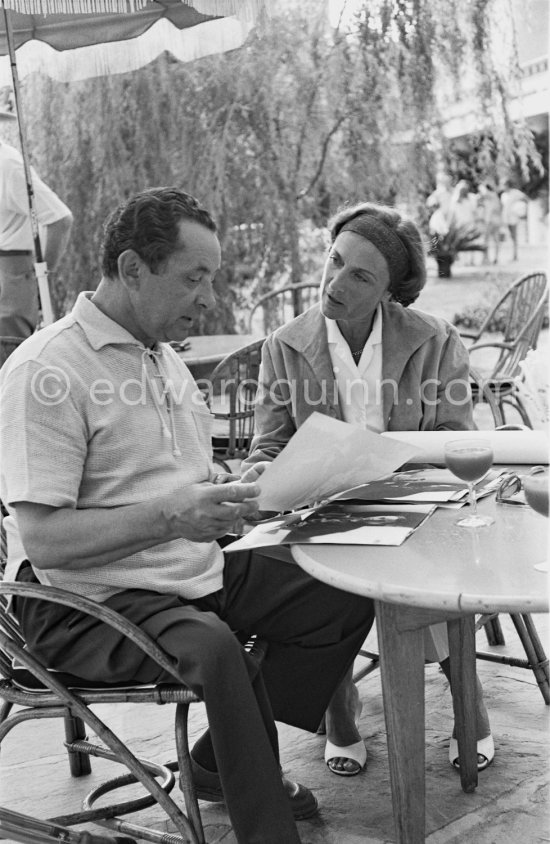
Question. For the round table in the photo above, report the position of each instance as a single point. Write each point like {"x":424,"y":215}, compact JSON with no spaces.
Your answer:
{"x":440,"y":573}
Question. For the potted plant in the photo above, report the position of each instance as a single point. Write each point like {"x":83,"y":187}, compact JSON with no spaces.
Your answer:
{"x":445,"y":247}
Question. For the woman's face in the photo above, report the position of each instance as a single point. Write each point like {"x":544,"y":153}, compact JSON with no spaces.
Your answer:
{"x":355,"y":279}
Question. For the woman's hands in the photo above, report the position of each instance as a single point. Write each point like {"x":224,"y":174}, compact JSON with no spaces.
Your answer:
{"x":253,"y":472}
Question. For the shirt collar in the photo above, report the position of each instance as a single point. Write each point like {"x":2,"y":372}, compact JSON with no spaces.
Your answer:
{"x":334,"y":335}
{"x":100,"y":330}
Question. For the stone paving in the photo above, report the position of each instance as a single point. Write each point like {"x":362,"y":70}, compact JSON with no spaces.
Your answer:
{"x":509,"y":806}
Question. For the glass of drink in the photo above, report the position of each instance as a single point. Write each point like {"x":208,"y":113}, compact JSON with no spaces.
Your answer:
{"x":470,"y":460}
{"x":535,"y":486}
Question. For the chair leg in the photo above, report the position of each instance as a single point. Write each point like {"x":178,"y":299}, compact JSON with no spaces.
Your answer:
{"x":75,"y":729}
{"x":186,"y":778}
{"x":538,"y":661}
{"x":493,"y":630}
{"x":372,"y":665}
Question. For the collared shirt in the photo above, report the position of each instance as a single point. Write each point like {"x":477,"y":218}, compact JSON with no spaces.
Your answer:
{"x":359,"y":392}
{"x":85,"y":422}
{"x":15,"y":224}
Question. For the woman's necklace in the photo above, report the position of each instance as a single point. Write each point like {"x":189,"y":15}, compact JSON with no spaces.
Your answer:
{"x":357,"y":355}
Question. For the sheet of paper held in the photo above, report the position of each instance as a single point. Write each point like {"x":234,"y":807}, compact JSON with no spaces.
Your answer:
{"x":326,"y":456}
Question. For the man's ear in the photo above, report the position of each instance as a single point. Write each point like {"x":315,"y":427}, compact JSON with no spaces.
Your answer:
{"x":129,"y":268}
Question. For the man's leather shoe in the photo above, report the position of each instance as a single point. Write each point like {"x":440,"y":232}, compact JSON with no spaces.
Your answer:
{"x":208,"y":787}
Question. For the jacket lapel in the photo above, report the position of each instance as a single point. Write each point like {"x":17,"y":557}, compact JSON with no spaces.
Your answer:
{"x":307,"y":334}
{"x":403,"y":332}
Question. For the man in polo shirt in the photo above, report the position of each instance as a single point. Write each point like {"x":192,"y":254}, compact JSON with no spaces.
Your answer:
{"x":106,"y":472}
{"x":18,"y":285}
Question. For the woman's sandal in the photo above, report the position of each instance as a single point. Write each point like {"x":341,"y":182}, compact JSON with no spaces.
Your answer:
{"x":485,"y":753}
{"x":353,"y":758}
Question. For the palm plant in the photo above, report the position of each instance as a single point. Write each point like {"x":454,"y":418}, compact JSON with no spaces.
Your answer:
{"x":445,"y":247}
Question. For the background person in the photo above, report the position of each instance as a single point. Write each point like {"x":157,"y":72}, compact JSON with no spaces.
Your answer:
{"x":440,"y":198}
{"x":463,"y":211}
{"x":18,"y":285}
{"x":514,"y":209}
{"x":128,"y":476}
{"x":489,"y":219}
{"x":334,"y":358}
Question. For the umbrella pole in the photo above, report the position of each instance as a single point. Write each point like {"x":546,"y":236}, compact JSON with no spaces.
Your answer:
{"x":40,"y":266}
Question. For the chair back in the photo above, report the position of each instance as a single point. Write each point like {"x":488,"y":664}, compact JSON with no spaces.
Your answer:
{"x":8,"y":623}
{"x":236,"y":380}
{"x":521,"y":312}
{"x":7,"y":346}
{"x":483,"y":396}
{"x":280,"y":306}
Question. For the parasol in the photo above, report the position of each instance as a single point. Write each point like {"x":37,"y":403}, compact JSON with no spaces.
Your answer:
{"x":77,"y":39}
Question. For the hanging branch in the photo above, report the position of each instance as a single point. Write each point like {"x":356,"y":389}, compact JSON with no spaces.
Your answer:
{"x":321,"y":163}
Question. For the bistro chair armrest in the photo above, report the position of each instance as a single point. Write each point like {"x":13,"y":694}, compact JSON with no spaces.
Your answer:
{"x":495,"y":344}
{"x":469,"y":335}
{"x":105,"y":614}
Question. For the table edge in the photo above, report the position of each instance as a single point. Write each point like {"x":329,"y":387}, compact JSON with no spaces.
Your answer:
{"x":437,"y":601}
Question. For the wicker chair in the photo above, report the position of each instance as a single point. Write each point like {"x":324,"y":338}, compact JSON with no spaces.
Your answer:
{"x":17,"y":827}
{"x":483,"y":394}
{"x":536,"y":658}
{"x":41,"y":693}
{"x":520,"y":312}
{"x":236,"y":377}
{"x":280,"y":306}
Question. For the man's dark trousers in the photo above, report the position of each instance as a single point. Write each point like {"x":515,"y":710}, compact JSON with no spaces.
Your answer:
{"x":313,"y":632}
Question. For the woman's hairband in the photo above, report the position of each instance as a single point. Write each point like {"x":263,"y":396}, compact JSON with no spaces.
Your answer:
{"x":386,"y":240}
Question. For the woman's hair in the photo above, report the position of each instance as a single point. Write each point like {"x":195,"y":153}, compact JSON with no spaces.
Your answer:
{"x":405,"y":289}
{"x":149,"y":224}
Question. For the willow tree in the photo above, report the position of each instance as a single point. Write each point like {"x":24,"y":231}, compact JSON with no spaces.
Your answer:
{"x":277,"y":134}
{"x":410,"y":60}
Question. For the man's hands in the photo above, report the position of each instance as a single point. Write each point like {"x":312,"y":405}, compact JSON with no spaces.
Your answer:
{"x":203,"y":512}
{"x":64,"y":537}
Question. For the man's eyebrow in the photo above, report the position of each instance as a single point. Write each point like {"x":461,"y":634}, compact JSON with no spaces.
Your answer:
{"x":203,"y":268}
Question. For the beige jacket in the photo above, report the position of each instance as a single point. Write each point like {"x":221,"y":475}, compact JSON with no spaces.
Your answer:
{"x":425,"y":378}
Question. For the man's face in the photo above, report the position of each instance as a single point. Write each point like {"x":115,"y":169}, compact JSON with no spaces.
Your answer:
{"x":165,"y":303}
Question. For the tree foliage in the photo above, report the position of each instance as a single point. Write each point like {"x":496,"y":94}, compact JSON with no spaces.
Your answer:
{"x":275,"y":136}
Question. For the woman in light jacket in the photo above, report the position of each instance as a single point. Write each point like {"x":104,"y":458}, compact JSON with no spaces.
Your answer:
{"x":362,"y":356}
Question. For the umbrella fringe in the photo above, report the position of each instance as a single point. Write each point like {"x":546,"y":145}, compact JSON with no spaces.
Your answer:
{"x":67,"y":7}
{"x":212,"y":37}
{"x":243,"y":9}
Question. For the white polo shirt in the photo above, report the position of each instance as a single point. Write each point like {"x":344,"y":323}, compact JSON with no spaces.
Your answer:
{"x":15,"y":225}
{"x":83,"y":424}
{"x":359,"y":392}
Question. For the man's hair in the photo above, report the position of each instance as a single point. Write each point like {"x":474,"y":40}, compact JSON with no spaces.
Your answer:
{"x":148,"y":223}
{"x":408,"y":289}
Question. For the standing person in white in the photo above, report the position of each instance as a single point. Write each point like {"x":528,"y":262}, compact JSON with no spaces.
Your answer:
{"x":18,"y":285}
{"x":514,"y":208}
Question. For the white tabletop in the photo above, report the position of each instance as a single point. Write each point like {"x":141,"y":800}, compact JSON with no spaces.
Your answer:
{"x":443,"y":566}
